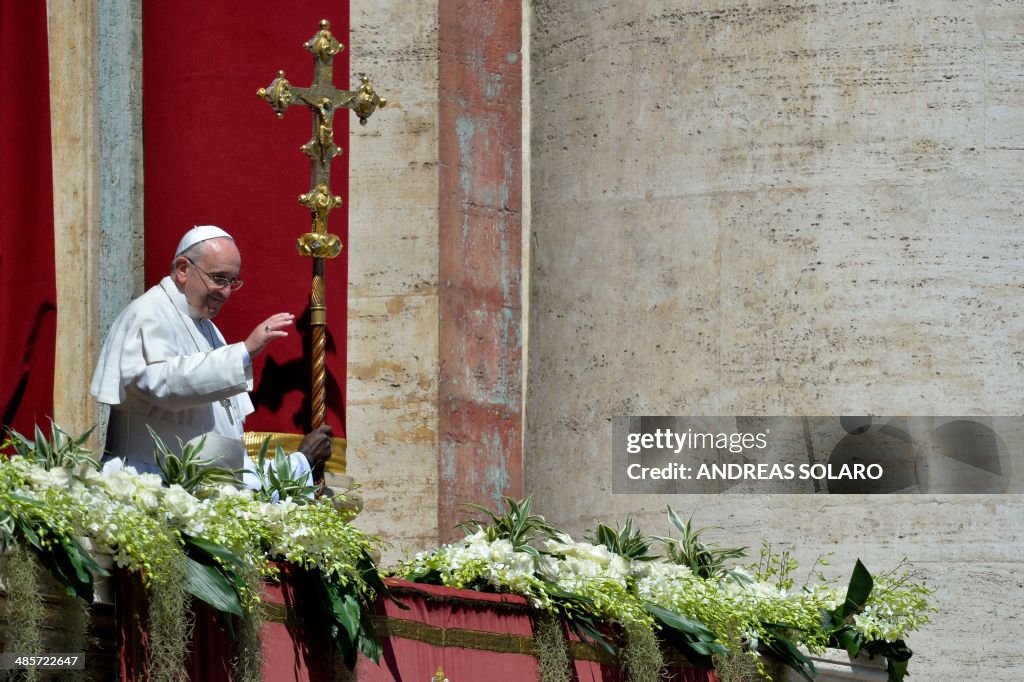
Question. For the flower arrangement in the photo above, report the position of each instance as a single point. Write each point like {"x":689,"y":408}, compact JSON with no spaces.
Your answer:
{"x":192,"y":533}
{"x":212,"y":541}
{"x":690,"y":595}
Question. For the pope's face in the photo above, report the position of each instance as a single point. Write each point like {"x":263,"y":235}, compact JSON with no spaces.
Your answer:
{"x":217,"y":258}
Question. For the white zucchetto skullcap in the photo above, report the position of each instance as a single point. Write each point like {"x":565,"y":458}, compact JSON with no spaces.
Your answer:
{"x":200,"y":233}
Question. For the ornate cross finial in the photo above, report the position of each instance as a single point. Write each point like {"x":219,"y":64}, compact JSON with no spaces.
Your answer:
{"x":323,"y":99}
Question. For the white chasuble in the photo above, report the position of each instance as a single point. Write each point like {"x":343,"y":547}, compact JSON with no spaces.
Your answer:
{"x":163,"y":366}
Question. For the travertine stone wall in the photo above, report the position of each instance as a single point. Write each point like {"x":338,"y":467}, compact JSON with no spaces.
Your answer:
{"x":805,"y":208}
{"x":393,"y":354}
{"x":119,"y":95}
{"x":95,"y":60}
{"x":121,"y":227}
{"x":71,"y":30}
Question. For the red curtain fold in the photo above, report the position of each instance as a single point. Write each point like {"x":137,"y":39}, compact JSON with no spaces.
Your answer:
{"x":295,"y":649}
{"x":456,"y":615}
{"x":216,"y":154}
{"x":469,"y":635}
{"x":409,"y":659}
{"x":28,"y":288}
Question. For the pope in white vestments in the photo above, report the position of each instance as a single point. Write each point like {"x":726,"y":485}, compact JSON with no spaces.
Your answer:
{"x":166,"y":365}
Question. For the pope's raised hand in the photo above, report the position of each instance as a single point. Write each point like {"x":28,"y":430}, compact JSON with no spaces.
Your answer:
{"x":270,"y":329}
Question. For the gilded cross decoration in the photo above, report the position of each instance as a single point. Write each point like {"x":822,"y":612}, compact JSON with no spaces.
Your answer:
{"x":323,"y":99}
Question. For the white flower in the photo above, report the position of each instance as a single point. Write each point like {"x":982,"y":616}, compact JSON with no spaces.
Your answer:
{"x":521,"y":564}
{"x":150,"y":482}
{"x":500,"y":551}
{"x":148,"y":499}
{"x":90,"y":476}
{"x":547,"y":567}
{"x":179,"y":504}
{"x":599,"y":554}
{"x":57,"y":477}
{"x":560,"y":545}
{"x":618,"y":567}
{"x":121,"y":483}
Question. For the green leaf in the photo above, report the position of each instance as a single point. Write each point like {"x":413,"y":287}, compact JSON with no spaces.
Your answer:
{"x":86,"y":559}
{"x":61,"y":564}
{"x":898,"y":651}
{"x":80,"y":441}
{"x":42,"y":447}
{"x":30,"y":534}
{"x":861,"y":584}
{"x":677,"y":522}
{"x":343,"y":610}
{"x":371,"y":576}
{"x":692,"y":638}
{"x":897,"y":670}
{"x":789,"y":654}
{"x":369,"y":642}
{"x":210,"y":550}
{"x":585,"y":629}
{"x":344,"y":607}
{"x":210,"y":585}
{"x":850,"y":639}
{"x":348,"y":615}
{"x":897,"y":655}
{"x":680,"y":622}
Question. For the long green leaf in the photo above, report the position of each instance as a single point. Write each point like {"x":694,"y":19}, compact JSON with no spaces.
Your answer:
{"x":30,"y":534}
{"x":86,"y":559}
{"x":212,"y":549}
{"x":588,"y":633}
{"x":682,"y":623}
{"x":789,"y":654}
{"x":371,"y":576}
{"x":62,"y":566}
{"x":369,"y":642}
{"x":861,"y":584}
{"x":692,"y":638}
{"x":210,"y":585}
{"x":897,"y":655}
{"x":850,"y":639}
{"x":342,"y":632}
{"x":43,"y":448}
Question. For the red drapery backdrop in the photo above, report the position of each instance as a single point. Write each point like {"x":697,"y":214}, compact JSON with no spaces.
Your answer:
{"x":28,"y":289}
{"x":468,"y":635}
{"x":216,"y":154}
{"x":477,"y":636}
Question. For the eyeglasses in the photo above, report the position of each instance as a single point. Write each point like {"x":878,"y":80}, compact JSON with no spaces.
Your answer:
{"x":222,"y":282}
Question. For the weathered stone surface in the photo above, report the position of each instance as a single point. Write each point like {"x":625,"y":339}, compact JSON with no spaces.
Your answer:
{"x":393,"y":354}
{"x":768,"y":208}
{"x":74,"y":146}
{"x":480,"y":300}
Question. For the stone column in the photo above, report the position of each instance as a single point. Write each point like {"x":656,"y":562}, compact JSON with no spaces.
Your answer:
{"x":95,"y":117}
{"x":75,"y":132}
{"x":391,"y":399}
{"x":481,"y":338}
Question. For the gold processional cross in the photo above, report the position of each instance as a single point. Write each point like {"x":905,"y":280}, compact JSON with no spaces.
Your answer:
{"x":323,"y":98}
